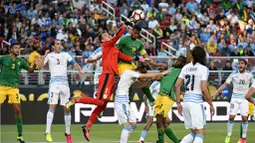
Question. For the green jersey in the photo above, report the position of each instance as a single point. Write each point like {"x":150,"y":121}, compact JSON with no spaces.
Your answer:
{"x":10,"y":71}
{"x":131,"y":47}
{"x":167,"y":83}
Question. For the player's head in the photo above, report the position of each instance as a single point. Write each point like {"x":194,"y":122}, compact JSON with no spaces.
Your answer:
{"x":199,"y":55}
{"x":141,"y":67}
{"x":57,"y":46}
{"x":14,"y":49}
{"x":242,"y":65}
{"x":135,"y":32}
{"x":104,"y":36}
{"x":180,"y":62}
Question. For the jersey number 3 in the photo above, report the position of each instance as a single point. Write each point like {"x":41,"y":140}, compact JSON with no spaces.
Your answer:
{"x":58,"y":62}
{"x":190,"y":82}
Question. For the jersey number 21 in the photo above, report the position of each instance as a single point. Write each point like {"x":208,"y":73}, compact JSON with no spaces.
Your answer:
{"x":190,"y":82}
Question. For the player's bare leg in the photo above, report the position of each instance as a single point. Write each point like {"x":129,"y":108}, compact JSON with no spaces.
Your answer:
{"x":19,"y":121}
{"x":126,"y":131}
{"x":50,"y":116}
{"x":244,"y":129}
{"x":68,"y":125}
{"x":146,"y":128}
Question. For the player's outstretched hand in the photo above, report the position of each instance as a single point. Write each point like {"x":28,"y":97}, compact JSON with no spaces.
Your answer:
{"x":179,"y":108}
{"x":165,"y":72}
{"x":47,"y":52}
{"x":130,"y":22}
{"x":215,"y":95}
{"x":212,"y":110}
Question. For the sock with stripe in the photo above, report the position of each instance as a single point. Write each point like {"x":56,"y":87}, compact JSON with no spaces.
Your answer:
{"x":143,"y":135}
{"x":230,"y":127}
{"x":245,"y":128}
{"x":188,"y":138}
{"x":95,"y":114}
{"x":147,"y":92}
{"x":160,"y":135}
{"x":68,"y":122}
{"x":19,"y":123}
{"x":169,"y":132}
{"x":199,"y":138}
{"x":50,"y":116}
{"x":89,"y":100}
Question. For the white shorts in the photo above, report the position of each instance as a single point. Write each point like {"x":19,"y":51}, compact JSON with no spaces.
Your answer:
{"x":124,"y":112}
{"x":239,"y":104}
{"x":194,"y":115}
{"x":58,"y":91}
{"x":96,"y":75}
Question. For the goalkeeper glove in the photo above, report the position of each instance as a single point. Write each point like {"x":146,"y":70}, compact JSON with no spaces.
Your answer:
{"x":136,"y":58}
{"x":130,"y":22}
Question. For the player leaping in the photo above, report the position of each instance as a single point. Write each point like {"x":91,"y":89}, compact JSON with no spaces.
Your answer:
{"x":59,"y":87}
{"x":106,"y":80}
{"x":241,"y":81}
{"x":195,"y":76}
{"x":9,"y":82}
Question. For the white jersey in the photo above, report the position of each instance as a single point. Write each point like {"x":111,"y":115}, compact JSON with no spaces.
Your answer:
{"x":58,"y":66}
{"x":125,"y":82}
{"x":94,"y":55}
{"x":193,"y":75}
{"x":154,"y":88}
{"x":241,"y":83}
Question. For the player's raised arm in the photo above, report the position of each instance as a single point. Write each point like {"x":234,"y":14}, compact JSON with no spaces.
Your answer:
{"x":223,"y":86}
{"x":92,"y":60}
{"x":44,"y":60}
{"x":118,"y":34}
{"x":76,"y":65}
{"x":178,"y":85}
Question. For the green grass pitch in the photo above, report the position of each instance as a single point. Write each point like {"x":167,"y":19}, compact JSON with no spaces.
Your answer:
{"x":109,"y":133}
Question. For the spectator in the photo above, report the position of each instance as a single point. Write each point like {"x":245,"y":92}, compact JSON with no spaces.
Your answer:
{"x":191,"y":6}
{"x":152,"y":23}
{"x":158,"y":32}
{"x":71,"y":52}
{"x":135,"y":5}
{"x":212,"y":46}
{"x":124,"y":9}
{"x":13,"y":39}
{"x":223,"y":48}
{"x":212,"y":66}
{"x":235,"y":52}
{"x":228,"y":65}
{"x":172,"y":10}
{"x":178,"y":15}
{"x":163,"y":5}
{"x":248,"y":52}
{"x":62,"y":35}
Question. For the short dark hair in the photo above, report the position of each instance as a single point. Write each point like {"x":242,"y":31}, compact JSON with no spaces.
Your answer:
{"x":243,"y":60}
{"x":14,"y":44}
{"x":141,"y":67}
{"x":183,"y":59}
{"x":199,"y":55}
{"x":137,"y":27}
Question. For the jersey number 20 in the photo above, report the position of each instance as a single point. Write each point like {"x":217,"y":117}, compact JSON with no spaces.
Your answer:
{"x":190,"y":82}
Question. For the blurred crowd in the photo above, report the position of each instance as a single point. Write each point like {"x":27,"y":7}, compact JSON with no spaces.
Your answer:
{"x":222,"y":27}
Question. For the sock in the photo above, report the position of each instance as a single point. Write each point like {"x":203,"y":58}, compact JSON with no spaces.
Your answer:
{"x":245,"y":128}
{"x":125,"y":134}
{"x":230,"y":127}
{"x":50,"y":116}
{"x":171,"y":135}
{"x":188,"y":138}
{"x":161,"y":135}
{"x":95,"y":114}
{"x":147,"y":92}
{"x":241,"y":131}
{"x":89,"y":100}
{"x":19,"y":123}
{"x":68,"y":118}
{"x":199,"y":138}
{"x":143,"y":135}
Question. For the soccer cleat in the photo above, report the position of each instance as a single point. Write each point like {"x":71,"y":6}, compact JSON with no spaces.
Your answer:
{"x":227,"y":140}
{"x":141,"y":141}
{"x":86,"y":132}
{"x":158,"y":141}
{"x":69,"y":103}
{"x":242,"y":140}
{"x":68,"y":138}
{"x":20,"y":139}
{"x":100,"y":115}
{"x":48,"y":137}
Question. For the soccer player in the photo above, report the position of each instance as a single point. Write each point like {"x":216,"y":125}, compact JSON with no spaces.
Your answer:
{"x":110,"y":55}
{"x":59,"y":87}
{"x":250,"y":96}
{"x":241,"y":81}
{"x":9,"y":82}
{"x":125,"y":114}
{"x":130,"y":45}
{"x":194,"y":75}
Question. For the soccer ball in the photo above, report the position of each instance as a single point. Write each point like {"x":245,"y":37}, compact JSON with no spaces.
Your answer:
{"x":138,"y":15}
